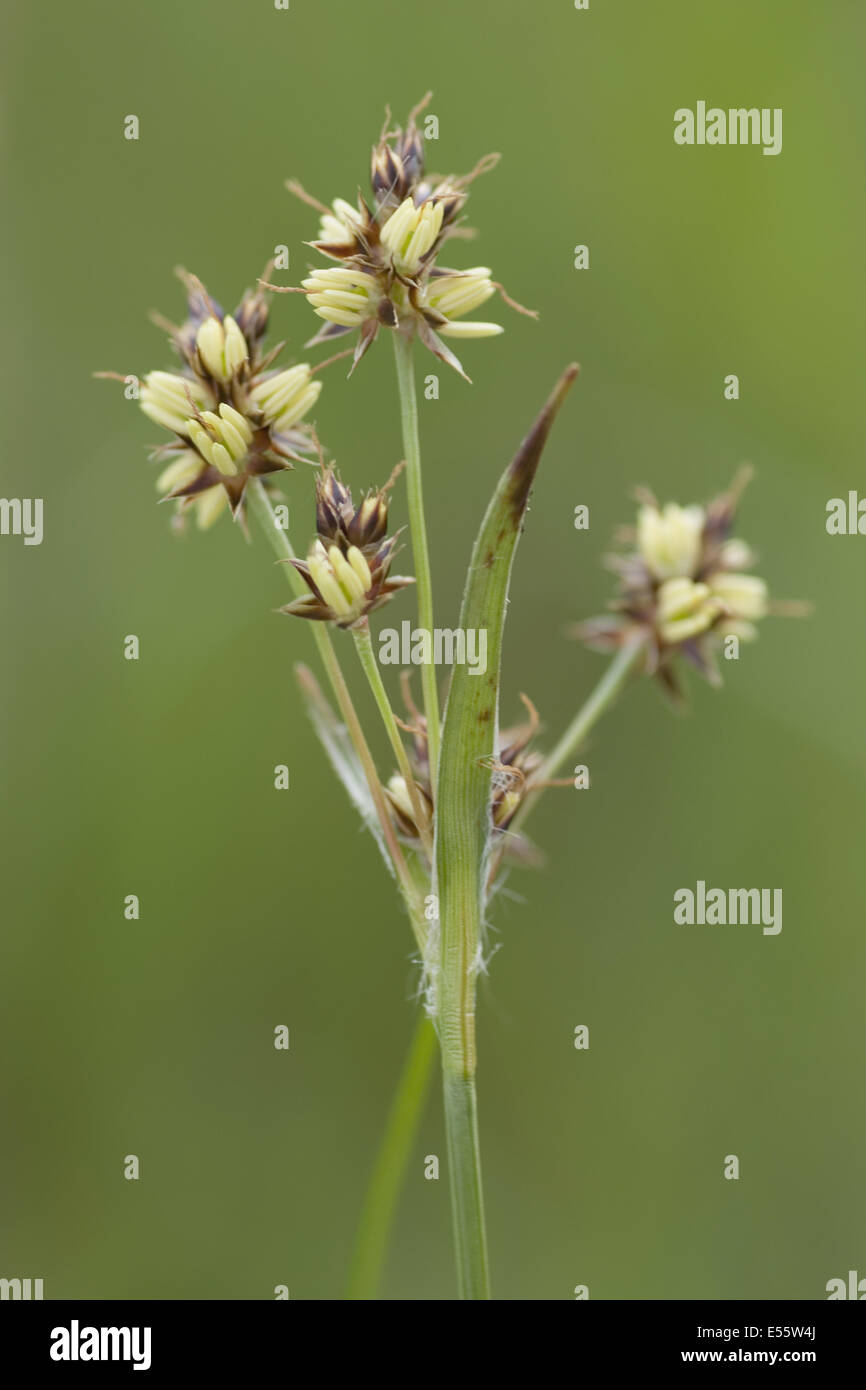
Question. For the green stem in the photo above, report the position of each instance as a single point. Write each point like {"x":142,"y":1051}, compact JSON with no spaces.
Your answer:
{"x":418,"y":530}
{"x":414,"y":1082}
{"x":364,"y":646}
{"x":467,"y":1199}
{"x":260,"y":504}
{"x":463,"y":830}
{"x":391,"y":1162}
{"x":602,"y":697}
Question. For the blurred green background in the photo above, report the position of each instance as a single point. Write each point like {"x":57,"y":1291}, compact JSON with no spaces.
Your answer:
{"x":261,"y":907}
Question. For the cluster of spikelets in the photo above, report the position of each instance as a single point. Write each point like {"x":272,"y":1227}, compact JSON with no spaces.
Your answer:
{"x":235,"y":417}
{"x":683,"y":587}
{"x":232,"y":414}
{"x":387,"y":251}
{"x":348,"y":567}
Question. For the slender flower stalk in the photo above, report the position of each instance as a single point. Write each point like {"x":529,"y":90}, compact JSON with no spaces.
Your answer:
{"x":361,"y":634}
{"x":260,"y":504}
{"x":418,"y":532}
{"x":603,"y":696}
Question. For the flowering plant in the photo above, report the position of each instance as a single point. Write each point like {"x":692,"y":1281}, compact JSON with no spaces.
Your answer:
{"x":449,"y":817}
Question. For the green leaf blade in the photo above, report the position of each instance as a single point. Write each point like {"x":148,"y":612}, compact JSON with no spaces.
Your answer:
{"x":469,"y":740}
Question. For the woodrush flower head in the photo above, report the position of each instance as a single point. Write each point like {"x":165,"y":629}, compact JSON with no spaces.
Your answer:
{"x":683,"y":588}
{"x":388,"y":250}
{"x":232,"y":416}
{"x":347,"y":568}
